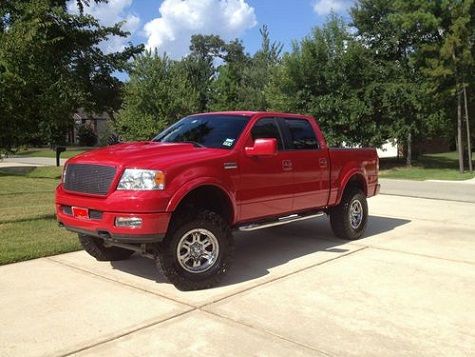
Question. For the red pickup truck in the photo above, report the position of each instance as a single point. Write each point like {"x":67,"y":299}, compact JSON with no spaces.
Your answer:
{"x":178,"y":197}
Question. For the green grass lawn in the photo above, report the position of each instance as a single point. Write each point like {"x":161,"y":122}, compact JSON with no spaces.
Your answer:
{"x":443,"y":166}
{"x":28,"y":227}
{"x":70,"y":152}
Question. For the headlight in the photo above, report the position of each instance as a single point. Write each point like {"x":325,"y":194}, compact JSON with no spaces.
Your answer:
{"x":138,"y":179}
{"x":63,"y":174}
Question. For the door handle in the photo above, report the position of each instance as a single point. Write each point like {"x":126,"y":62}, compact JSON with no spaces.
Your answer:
{"x":323,"y":163}
{"x":287,"y":165}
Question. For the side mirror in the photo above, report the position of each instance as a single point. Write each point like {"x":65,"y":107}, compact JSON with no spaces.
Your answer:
{"x":262,"y":147}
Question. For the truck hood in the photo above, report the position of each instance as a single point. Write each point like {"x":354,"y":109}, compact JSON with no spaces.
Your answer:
{"x":147,"y":154}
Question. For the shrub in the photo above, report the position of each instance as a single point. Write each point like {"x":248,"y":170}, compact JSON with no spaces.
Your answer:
{"x":86,"y":136}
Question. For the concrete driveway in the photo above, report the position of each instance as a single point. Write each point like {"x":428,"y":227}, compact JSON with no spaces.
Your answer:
{"x":408,"y":288}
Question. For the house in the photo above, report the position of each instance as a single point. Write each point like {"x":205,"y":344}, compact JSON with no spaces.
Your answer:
{"x":389,"y":149}
{"x":99,"y":123}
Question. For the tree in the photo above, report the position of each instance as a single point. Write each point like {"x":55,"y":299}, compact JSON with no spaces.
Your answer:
{"x":449,"y":61}
{"x":333,"y":77}
{"x":158,"y":93}
{"x":229,"y":81}
{"x":241,"y":80}
{"x":394,"y":31}
{"x":161,"y":90}
{"x":469,"y":138}
{"x":200,"y":65}
{"x":51,"y":64}
{"x":430,"y":44}
{"x":257,"y":75}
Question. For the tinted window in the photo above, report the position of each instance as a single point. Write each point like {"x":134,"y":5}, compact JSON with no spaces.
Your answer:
{"x":267,"y":129}
{"x":213,"y":131}
{"x":302,"y":135}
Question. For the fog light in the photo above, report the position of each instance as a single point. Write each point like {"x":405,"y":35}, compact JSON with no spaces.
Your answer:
{"x":132,"y":222}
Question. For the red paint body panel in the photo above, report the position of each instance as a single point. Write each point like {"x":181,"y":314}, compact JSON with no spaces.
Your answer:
{"x":345,"y":163}
{"x":257,"y":187}
{"x":152,"y":223}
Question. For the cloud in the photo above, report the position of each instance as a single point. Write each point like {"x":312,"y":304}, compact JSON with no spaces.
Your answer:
{"x":325,"y":7}
{"x":108,"y":14}
{"x":180,"y":19}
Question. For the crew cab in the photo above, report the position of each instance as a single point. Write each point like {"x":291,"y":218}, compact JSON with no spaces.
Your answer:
{"x":178,"y":197}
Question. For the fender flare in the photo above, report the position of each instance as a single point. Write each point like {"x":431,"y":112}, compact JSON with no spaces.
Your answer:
{"x":181,"y":193}
{"x":352,"y":173}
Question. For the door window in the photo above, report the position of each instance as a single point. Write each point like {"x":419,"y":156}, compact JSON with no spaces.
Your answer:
{"x":302,"y":136}
{"x":267,"y":128}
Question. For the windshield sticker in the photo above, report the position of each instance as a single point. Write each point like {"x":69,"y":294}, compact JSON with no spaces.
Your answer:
{"x":228,"y":142}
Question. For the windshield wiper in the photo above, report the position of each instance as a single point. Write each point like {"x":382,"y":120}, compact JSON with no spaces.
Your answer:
{"x":195,"y":144}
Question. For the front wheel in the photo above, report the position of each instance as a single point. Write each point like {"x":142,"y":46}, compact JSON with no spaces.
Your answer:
{"x":197,"y":251}
{"x":349,"y":218}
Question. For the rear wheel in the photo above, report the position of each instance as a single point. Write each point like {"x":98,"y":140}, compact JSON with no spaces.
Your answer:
{"x":95,"y":247}
{"x":349,"y":218}
{"x":197,"y":251}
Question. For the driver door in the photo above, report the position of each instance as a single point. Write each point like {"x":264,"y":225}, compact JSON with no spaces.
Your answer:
{"x":266,"y":185}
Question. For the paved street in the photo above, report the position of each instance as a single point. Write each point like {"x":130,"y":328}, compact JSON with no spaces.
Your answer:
{"x":407,"y":288}
{"x":463,"y":191}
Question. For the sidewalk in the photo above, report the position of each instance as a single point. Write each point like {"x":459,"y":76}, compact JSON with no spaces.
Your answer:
{"x":463,"y":191}
{"x":29,"y":161}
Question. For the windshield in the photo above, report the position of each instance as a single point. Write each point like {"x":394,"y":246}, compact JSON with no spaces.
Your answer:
{"x":212,"y":131}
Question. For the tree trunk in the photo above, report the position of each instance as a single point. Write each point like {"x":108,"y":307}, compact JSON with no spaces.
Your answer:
{"x":111,"y":116}
{"x":467,"y":122}
{"x":459,"y":129}
{"x":409,"y":150}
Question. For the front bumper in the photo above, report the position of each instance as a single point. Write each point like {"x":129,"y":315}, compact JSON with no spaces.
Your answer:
{"x":149,"y":206}
{"x":153,"y":228}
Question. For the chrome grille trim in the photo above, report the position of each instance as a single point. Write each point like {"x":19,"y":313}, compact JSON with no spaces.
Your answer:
{"x":89,"y":178}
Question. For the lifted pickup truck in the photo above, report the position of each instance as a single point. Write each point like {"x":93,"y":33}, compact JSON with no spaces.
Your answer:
{"x":178,"y":197}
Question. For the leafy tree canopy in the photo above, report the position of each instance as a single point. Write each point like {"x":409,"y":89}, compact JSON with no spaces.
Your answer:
{"x":50,"y":65}
{"x":158,"y":93}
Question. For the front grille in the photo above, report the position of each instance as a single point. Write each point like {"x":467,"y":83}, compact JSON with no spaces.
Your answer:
{"x":86,"y":178}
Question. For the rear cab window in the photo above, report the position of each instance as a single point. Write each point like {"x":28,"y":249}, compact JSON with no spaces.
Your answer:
{"x":300,"y":134}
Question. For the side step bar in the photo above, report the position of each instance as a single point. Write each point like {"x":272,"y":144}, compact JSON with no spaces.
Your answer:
{"x":280,"y":221}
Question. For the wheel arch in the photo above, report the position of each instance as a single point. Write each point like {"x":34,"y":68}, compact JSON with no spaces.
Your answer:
{"x":354,"y":179}
{"x":204,"y":195}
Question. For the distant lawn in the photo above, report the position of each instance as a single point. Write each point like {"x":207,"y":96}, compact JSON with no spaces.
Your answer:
{"x":443,"y":166}
{"x":51,"y":172}
{"x":24,"y":174}
{"x":70,"y":152}
{"x":28,"y":227}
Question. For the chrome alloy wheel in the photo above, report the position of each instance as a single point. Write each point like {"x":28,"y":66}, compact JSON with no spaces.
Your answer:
{"x":356,"y":214}
{"x":197,"y":250}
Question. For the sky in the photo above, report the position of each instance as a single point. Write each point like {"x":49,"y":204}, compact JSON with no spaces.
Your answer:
{"x":167,"y":25}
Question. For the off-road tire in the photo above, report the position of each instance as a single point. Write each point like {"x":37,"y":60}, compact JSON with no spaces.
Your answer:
{"x":167,"y":260}
{"x":340,"y":216}
{"x":95,"y":247}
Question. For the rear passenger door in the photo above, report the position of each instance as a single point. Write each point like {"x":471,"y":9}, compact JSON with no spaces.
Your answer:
{"x":310,"y":164}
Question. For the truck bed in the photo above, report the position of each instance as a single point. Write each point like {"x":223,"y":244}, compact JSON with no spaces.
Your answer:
{"x":345,"y":162}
